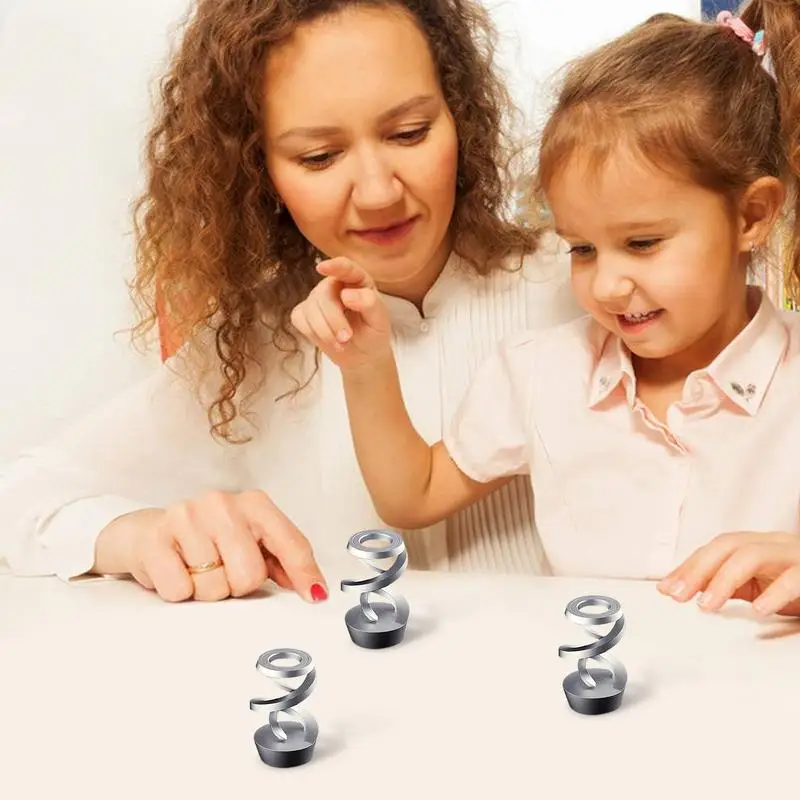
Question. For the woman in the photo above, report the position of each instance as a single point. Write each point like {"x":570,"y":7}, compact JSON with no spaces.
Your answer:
{"x":289,"y":132}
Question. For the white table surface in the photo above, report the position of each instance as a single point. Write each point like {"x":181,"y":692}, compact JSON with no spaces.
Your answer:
{"x":107,"y":691}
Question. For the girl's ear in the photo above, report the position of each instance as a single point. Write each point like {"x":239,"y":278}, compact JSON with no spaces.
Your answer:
{"x":759,"y":209}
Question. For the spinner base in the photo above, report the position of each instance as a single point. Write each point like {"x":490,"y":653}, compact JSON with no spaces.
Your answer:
{"x":386,"y":632}
{"x":294,"y":752}
{"x":602,"y":699}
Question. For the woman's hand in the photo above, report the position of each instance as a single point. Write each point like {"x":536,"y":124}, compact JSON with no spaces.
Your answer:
{"x":210,"y":548}
{"x":762,"y":568}
{"x":345,"y":317}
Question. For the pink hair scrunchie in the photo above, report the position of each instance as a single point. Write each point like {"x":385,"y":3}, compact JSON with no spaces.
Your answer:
{"x":756,"y":42}
{"x":728,"y":20}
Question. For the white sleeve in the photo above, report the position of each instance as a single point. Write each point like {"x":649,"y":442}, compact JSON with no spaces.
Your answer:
{"x":149,"y":447}
{"x":488,"y":436}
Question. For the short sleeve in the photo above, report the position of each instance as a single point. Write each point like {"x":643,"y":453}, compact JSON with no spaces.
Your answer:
{"x":488,"y":435}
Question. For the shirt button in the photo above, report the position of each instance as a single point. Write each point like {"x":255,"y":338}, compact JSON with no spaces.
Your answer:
{"x":424,"y":327}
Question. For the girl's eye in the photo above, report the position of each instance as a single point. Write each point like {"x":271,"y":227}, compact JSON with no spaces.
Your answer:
{"x":643,"y":244}
{"x":582,"y":250}
{"x":410,"y":137}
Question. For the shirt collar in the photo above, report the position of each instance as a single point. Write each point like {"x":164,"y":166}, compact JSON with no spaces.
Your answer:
{"x":458,"y":281}
{"x":403,"y":312}
{"x":613,"y":367}
{"x":742,"y":371}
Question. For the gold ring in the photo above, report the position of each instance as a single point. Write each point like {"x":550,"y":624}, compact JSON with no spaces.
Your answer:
{"x":209,"y":566}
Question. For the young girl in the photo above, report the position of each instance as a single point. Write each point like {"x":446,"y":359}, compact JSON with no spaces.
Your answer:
{"x":662,"y":429}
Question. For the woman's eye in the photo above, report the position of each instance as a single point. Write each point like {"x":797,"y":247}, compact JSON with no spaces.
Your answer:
{"x":317,"y":161}
{"x":323,"y":160}
{"x":417,"y":135}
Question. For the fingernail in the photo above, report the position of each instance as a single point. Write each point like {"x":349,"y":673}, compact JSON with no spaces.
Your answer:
{"x":318,"y":593}
{"x":676,"y":588}
{"x":760,"y":610}
{"x":705,"y":599}
{"x":343,"y":335}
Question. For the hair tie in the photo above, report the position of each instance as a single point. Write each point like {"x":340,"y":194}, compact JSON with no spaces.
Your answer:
{"x":741,"y":29}
{"x":755,"y":40}
{"x":758,"y":44}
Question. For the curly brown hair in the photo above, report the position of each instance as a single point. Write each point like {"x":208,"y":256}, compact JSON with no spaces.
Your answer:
{"x":216,"y":255}
{"x":691,"y":97}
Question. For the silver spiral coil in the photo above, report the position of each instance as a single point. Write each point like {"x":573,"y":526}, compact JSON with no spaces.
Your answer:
{"x":294,"y":696}
{"x":610,"y":613}
{"x":395,"y":548}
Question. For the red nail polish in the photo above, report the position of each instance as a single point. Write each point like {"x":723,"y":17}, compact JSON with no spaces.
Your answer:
{"x":318,"y":593}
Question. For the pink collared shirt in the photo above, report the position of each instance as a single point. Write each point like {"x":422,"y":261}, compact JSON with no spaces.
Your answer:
{"x":616,"y":492}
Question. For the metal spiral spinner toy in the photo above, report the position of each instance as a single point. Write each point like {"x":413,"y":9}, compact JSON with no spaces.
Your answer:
{"x":375,"y":625}
{"x":289,"y":743}
{"x":595,"y":690}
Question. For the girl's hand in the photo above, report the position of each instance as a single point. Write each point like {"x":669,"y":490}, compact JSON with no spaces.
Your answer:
{"x":762,"y":568}
{"x":345,"y":317}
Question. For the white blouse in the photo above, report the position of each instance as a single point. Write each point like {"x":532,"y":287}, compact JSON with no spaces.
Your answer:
{"x":151,"y":446}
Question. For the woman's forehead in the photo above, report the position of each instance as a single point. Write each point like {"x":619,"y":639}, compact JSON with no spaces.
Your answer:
{"x":360,"y":62}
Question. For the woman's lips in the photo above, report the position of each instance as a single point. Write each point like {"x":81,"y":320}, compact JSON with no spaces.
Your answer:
{"x":389,"y":234}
